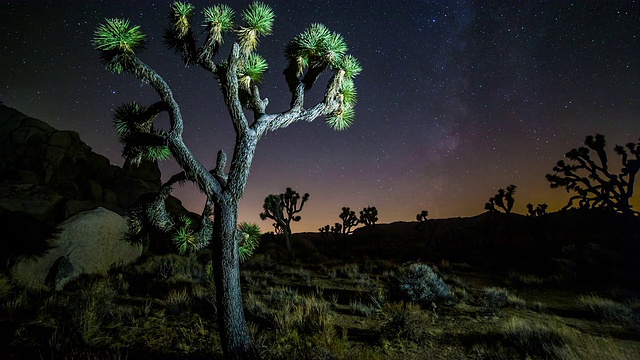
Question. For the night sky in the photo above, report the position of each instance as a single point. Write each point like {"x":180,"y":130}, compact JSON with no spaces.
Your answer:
{"x":456,"y":99}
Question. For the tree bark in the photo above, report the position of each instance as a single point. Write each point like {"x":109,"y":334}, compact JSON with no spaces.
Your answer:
{"x":287,"y":237}
{"x":234,"y":335}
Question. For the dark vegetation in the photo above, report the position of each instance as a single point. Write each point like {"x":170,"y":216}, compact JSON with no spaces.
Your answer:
{"x":565,"y":288}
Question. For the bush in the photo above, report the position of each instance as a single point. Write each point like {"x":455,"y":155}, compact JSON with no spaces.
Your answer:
{"x":495,"y":299}
{"x":420,"y":284}
{"x":404,"y":321}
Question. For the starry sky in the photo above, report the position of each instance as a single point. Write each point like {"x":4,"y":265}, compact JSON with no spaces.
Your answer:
{"x":456,"y":99}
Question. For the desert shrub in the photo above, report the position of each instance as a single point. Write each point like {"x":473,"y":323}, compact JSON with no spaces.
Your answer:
{"x":420,"y":284}
{"x":403,"y":321}
{"x":494,"y":299}
{"x":605,"y":309}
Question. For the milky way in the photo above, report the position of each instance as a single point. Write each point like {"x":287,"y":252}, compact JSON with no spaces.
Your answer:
{"x":456,"y":100}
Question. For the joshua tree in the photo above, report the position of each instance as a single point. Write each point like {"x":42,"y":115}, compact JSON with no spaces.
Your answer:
{"x":540,"y":210}
{"x":593,"y":181}
{"x":422,"y":219}
{"x":503,"y":200}
{"x":422,"y":216}
{"x":310,"y":54}
{"x":369,"y":216}
{"x":324,"y":231}
{"x":336,"y":230}
{"x":349,"y":220}
{"x":282,"y":208}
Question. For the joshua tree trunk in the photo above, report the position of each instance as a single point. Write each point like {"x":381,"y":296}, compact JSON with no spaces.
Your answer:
{"x":287,"y":237}
{"x":232,"y":325}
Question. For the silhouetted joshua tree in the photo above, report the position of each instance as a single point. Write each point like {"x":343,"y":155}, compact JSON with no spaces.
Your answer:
{"x":540,"y":210}
{"x":593,"y":181}
{"x":282,"y":208}
{"x":310,"y":54}
{"x":324,"y":231}
{"x":503,"y":200}
{"x":422,"y":225}
{"x":336,"y":230}
{"x":349,"y":220}
{"x":369,"y":216}
{"x":422,"y":216}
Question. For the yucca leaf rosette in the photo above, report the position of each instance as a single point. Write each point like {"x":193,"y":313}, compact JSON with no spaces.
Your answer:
{"x":249,"y":240}
{"x":132,"y":124}
{"x":259,"y":22}
{"x":118,"y":41}
{"x":218,"y":19}
{"x":181,"y":14}
{"x":317,"y":46}
{"x":252,"y":70}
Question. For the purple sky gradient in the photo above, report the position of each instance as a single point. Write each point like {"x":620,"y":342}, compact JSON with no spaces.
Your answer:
{"x":456,"y":99}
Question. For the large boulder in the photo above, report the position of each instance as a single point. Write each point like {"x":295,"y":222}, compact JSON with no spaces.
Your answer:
{"x":89,"y":242}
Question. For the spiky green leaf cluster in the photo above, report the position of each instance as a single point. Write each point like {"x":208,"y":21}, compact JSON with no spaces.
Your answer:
{"x":249,"y":241}
{"x":184,"y":238}
{"x":317,"y":47}
{"x":343,"y":117}
{"x":253,"y":69}
{"x":351,"y":66}
{"x":348,"y":92}
{"x":129,"y":120}
{"x":181,"y":14}
{"x":218,"y":19}
{"x":118,"y":35}
{"x":119,"y":42}
{"x":259,"y":19}
{"x":157,"y":153}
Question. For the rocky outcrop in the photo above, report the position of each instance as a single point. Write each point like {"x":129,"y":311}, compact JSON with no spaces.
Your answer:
{"x":89,"y":242}
{"x":51,"y":181}
{"x":51,"y":174}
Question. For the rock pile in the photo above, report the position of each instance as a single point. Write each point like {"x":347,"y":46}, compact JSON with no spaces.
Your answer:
{"x":51,"y":181}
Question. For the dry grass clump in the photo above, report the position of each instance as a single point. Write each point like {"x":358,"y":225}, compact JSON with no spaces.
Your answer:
{"x":605,"y":309}
{"x":359,"y":307}
{"x":178,"y":301}
{"x":304,"y":329}
{"x":93,"y":309}
{"x":553,"y":340}
{"x":537,"y":338}
{"x":404,"y":321}
{"x":349,"y":271}
{"x":519,"y":280}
